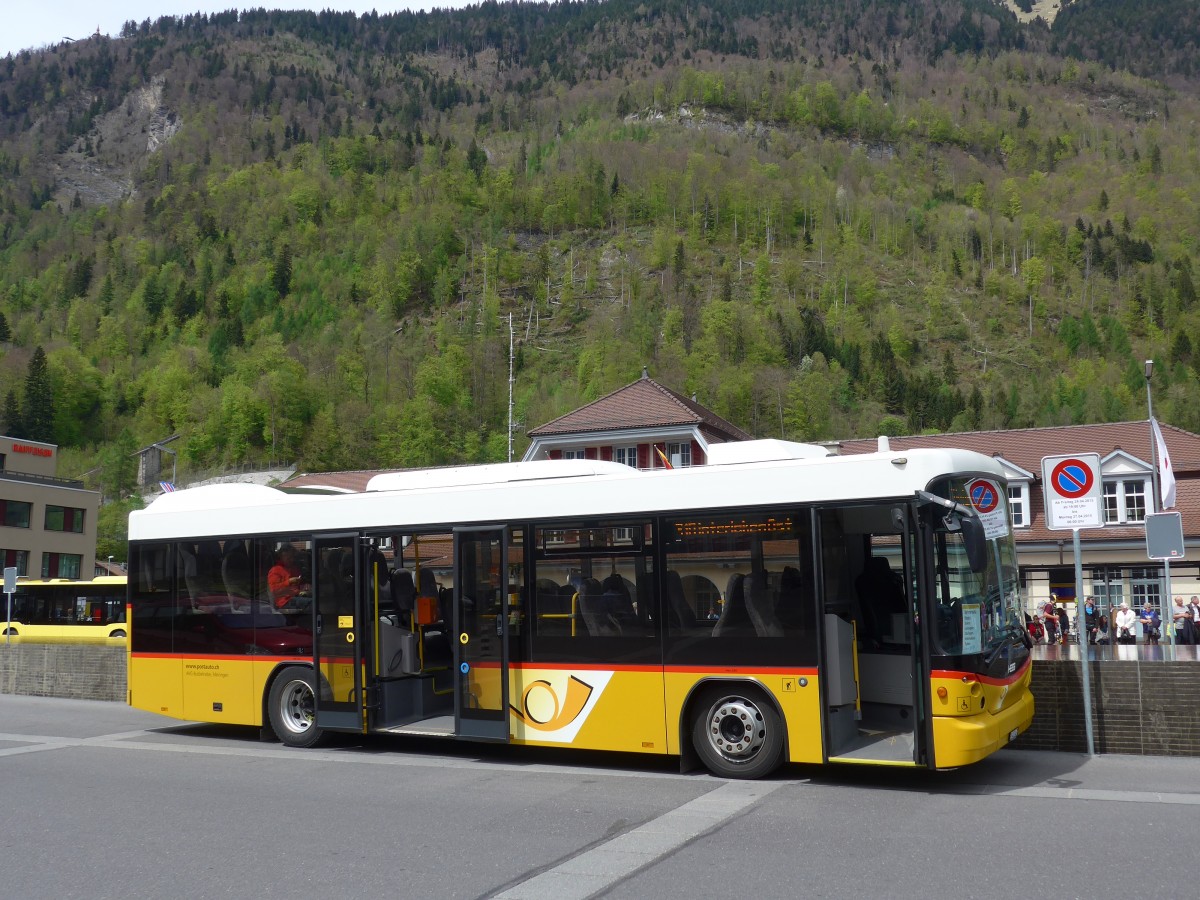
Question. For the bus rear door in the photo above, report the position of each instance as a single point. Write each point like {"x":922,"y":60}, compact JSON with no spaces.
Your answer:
{"x":337,"y":651}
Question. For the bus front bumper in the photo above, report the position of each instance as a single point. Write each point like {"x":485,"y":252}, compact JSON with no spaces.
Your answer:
{"x":961,"y":740}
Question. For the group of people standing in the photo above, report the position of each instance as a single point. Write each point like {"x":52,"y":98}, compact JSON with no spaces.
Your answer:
{"x":1119,"y":625}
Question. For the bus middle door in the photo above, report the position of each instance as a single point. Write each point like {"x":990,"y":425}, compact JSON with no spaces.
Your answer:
{"x":481,"y":633}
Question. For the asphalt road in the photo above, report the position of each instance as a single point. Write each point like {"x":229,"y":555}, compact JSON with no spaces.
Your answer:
{"x":101,"y":801}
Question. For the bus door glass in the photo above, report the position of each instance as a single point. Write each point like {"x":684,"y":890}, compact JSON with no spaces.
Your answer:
{"x":337,"y":649}
{"x":874,"y":664}
{"x":481,"y":614}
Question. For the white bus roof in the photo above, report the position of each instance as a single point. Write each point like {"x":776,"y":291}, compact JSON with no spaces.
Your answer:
{"x":556,"y":489}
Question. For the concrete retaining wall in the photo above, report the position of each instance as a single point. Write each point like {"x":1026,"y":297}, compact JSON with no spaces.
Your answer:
{"x":1145,"y":707}
{"x":79,"y":671}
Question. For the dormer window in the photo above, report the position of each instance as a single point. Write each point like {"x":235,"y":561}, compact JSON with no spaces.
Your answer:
{"x":680,"y":454}
{"x":1125,"y":501}
{"x":1018,"y":504}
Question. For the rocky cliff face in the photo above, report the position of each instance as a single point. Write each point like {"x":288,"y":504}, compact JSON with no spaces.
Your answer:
{"x":99,"y":167}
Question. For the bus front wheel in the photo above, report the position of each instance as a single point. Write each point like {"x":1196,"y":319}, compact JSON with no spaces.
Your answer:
{"x":737,"y":733}
{"x":292,"y":708}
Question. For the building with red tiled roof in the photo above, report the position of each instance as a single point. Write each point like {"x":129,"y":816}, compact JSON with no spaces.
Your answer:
{"x":634,"y":425}
{"x":349,"y":482}
{"x":1115,"y":560}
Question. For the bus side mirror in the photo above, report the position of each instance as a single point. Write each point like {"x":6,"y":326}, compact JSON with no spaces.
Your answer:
{"x":975,"y":543}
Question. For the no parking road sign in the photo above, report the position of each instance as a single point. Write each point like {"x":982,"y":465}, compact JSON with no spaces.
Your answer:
{"x":1073,"y":490}
{"x":988,"y":502}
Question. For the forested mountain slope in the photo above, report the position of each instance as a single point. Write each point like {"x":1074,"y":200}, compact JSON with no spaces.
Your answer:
{"x":295,"y":236}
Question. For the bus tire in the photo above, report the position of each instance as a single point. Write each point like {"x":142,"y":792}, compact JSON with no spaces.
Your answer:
{"x":292,"y":708}
{"x":736,"y":732}
{"x":117,"y":634}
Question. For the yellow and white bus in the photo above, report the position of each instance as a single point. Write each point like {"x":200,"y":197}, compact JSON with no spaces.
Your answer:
{"x":779,"y":604}
{"x":62,"y":610}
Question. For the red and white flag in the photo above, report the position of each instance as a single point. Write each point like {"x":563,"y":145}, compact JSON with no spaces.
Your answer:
{"x":1166,"y":475}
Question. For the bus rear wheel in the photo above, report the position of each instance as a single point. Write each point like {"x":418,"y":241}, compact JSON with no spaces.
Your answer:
{"x":292,"y":708}
{"x":737,"y":733}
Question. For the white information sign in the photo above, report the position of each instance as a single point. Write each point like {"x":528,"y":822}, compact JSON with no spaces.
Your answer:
{"x":972,"y":629}
{"x":1074,"y":491}
{"x":987,"y":500}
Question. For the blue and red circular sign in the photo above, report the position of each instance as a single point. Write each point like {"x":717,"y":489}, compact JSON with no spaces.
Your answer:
{"x":1072,"y":478}
{"x":983,"y":494}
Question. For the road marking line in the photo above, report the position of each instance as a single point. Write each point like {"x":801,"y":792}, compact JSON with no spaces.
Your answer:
{"x":614,"y":860}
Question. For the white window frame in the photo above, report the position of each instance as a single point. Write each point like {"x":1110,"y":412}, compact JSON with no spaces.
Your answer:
{"x":574,"y":454}
{"x":630,"y":455}
{"x":1120,"y":496}
{"x":680,"y":454}
{"x":1018,"y":504}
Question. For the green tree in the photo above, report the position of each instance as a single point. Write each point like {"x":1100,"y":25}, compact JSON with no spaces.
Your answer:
{"x":12,"y":416}
{"x":118,"y":467}
{"x":38,"y":408}
{"x":281,"y":271}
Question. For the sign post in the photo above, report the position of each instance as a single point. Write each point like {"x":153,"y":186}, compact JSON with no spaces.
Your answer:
{"x":10,"y":585}
{"x":1074,"y":494}
{"x":1164,"y":542}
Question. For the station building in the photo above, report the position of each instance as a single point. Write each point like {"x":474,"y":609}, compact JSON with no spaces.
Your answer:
{"x":47,"y":523}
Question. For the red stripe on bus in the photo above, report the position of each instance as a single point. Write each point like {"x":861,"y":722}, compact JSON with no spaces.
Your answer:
{"x":983,"y":679}
{"x":256,"y":657}
{"x":673,"y":670}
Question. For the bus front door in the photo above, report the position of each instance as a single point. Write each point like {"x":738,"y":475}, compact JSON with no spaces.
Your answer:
{"x":481,"y":634}
{"x":337,"y":651}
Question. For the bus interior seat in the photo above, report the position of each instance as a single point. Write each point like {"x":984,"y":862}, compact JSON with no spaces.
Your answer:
{"x":734,"y":619}
{"x":404,"y":592}
{"x":760,"y":604}
{"x":235,"y":572}
{"x":617,"y":601}
{"x":378,"y":578}
{"x":880,"y":595}
{"x":189,"y":568}
{"x":592,"y":609}
{"x":789,"y":607}
{"x":681,"y":615}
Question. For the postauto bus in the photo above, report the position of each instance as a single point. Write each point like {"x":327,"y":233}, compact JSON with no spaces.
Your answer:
{"x":63,"y":610}
{"x":779,"y":604}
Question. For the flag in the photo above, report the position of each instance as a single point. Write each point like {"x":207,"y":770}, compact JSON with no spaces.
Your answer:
{"x":166,"y":486}
{"x":1166,"y":475}
{"x":666,"y":462}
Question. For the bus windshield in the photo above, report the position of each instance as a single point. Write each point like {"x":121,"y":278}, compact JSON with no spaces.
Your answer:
{"x":978,"y":607}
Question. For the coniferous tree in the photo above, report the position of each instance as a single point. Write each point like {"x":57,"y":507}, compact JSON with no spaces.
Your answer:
{"x":37,"y":419}
{"x":281,"y":272}
{"x":12,"y":416}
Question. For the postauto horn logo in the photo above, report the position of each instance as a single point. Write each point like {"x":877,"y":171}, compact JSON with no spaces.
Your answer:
{"x":556,"y":706}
